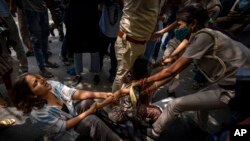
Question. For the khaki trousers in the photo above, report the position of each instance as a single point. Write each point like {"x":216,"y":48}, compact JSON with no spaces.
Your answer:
{"x":126,"y":54}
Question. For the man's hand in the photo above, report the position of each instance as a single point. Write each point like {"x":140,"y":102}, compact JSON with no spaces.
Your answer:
{"x":162,"y":17}
{"x":156,"y":35}
{"x":117,"y":95}
{"x":120,"y":93}
{"x":107,"y":95}
{"x":92,"y":108}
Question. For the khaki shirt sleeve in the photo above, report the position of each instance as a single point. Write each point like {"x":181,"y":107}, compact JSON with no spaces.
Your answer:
{"x":199,"y":45}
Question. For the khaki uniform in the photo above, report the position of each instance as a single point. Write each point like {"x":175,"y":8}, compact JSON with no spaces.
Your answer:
{"x":138,"y":22}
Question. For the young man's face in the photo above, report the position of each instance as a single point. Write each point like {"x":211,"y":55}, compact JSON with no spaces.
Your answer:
{"x":38,"y":85}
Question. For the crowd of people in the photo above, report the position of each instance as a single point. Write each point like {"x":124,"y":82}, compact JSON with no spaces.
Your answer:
{"x":198,"y":33}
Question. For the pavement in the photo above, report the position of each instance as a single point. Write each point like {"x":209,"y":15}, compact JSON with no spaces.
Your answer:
{"x":23,"y":130}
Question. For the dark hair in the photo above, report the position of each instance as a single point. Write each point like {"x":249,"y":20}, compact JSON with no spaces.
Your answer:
{"x":140,"y":69}
{"x":198,"y":12}
{"x":25,"y":98}
{"x":192,"y":12}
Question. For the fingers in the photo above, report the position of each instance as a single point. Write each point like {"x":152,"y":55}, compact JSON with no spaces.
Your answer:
{"x":110,"y":95}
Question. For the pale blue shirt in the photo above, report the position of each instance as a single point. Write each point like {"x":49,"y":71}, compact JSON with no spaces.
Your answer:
{"x":51,"y":119}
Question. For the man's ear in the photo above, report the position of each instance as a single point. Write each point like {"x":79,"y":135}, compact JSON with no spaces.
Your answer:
{"x":193,"y":24}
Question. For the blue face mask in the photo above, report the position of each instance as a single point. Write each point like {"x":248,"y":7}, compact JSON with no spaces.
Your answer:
{"x":244,"y":4}
{"x":181,"y":33}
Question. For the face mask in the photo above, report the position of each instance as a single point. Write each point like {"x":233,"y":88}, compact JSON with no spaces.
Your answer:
{"x":181,"y":33}
{"x":244,"y":4}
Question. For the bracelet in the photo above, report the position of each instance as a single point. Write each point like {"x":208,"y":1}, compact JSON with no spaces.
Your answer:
{"x":142,"y":82}
{"x":145,"y":80}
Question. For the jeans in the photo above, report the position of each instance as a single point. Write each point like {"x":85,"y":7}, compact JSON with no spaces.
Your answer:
{"x":94,"y":65}
{"x":65,"y":46}
{"x":38,"y":26}
{"x":169,"y":36}
{"x":149,"y":50}
{"x":14,"y":35}
{"x":23,"y":30}
{"x":108,"y":42}
{"x":156,"y":49}
{"x":152,"y":49}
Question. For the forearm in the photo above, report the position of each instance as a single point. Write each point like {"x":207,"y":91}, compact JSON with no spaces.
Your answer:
{"x":117,"y":95}
{"x":74,"y":121}
{"x":158,"y":76}
{"x":169,"y":27}
{"x":163,"y":74}
{"x":81,"y":94}
{"x":154,"y":86}
{"x":105,"y":102}
{"x":180,"y":48}
{"x":100,"y":95}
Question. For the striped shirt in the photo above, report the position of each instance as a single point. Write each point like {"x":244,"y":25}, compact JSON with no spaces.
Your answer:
{"x":51,"y":119}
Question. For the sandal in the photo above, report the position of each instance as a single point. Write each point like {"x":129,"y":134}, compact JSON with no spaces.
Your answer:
{"x":7,"y":123}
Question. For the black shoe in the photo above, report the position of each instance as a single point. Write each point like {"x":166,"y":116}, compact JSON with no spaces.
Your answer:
{"x":96,"y":79}
{"x":29,"y":53}
{"x":51,"y":65}
{"x":76,"y":80}
{"x":46,"y":73}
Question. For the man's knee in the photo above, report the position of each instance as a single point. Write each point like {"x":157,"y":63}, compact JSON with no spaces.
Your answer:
{"x":175,"y":106}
